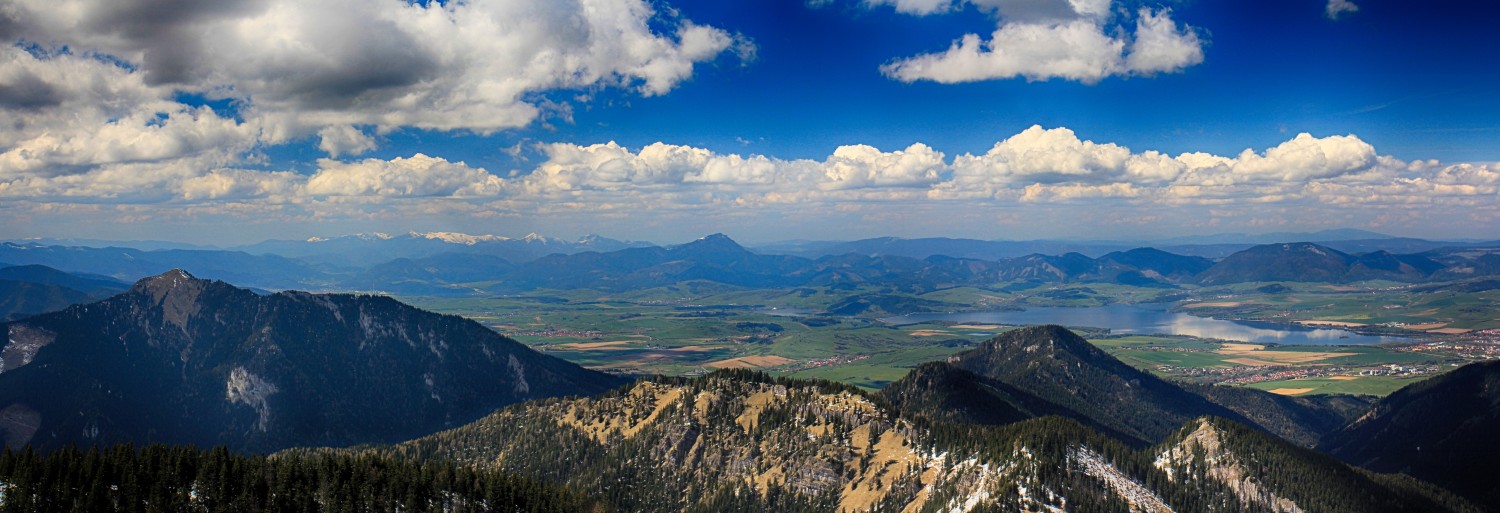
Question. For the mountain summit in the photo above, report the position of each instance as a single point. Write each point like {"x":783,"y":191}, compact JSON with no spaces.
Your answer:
{"x":716,"y":245}
{"x":1061,"y":367}
{"x":1048,"y":370}
{"x":177,"y":359}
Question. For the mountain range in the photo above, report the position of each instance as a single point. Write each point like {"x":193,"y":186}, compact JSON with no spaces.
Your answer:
{"x":945,"y":439}
{"x":1034,"y":419}
{"x":719,"y":259}
{"x":465,"y":265}
{"x":177,"y":359}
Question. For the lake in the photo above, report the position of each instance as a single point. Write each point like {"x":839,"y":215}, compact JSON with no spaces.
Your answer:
{"x":1151,"y":319}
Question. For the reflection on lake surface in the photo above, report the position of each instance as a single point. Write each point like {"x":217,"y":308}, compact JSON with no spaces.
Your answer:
{"x":1149,"y":319}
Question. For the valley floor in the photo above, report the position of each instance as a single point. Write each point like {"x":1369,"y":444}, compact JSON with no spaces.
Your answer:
{"x":696,"y":327}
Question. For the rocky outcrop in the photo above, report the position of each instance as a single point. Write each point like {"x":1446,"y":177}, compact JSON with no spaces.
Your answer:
{"x":1204,"y":450}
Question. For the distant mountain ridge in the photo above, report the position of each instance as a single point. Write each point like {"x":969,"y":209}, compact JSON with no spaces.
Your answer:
{"x":126,"y":264}
{"x":457,"y":264}
{"x":177,"y":359}
{"x":729,"y":263}
{"x":1306,"y":261}
{"x":373,"y":248}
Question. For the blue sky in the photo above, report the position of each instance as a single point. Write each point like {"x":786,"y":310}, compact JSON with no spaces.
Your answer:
{"x":771,"y":119}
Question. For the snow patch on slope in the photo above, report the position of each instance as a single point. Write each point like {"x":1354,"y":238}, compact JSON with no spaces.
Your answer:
{"x":1140,"y":498}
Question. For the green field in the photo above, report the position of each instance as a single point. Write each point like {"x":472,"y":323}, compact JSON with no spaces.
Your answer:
{"x":1363,"y":385}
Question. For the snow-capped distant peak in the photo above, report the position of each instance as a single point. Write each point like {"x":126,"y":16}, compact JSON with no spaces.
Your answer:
{"x":537,"y":237}
{"x":360,"y":236}
{"x":458,"y":238}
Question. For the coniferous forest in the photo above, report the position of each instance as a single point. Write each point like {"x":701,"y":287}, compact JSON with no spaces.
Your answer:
{"x":154,"y":478}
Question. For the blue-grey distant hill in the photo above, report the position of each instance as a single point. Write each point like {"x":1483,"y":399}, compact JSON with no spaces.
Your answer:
{"x":1309,"y":262}
{"x":86,"y":283}
{"x":1208,"y":246}
{"x":365,"y":250}
{"x":940,"y":246}
{"x":27,"y":290}
{"x":468,"y":266}
{"x":128,"y":264}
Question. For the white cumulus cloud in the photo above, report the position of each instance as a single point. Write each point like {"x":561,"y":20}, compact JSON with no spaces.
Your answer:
{"x":66,"y":113}
{"x":915,"y":7}
{"x":1336,"y":8}
{"x":344,"y":140}
{"x":1038,"y":155}
{"x":1054,"y":172}
{"x":1072,"y":40}
{"x":418,"y":175}
{"x":94,"y":82}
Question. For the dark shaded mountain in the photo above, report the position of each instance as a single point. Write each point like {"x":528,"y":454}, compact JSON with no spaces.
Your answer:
{"x":1265,"y":473}
{"x":1442,"y":430}
{"x":437,"y":275}
{"x":1157,"y":264}
{"x":738,"y":441}
{"x":1048,"y":370}
{"x":262,"y":271}
{"x":1062,"y":368}
{"x":944,"y":393}
{"x":1302,"y":420}
{"x":177,"y":359}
